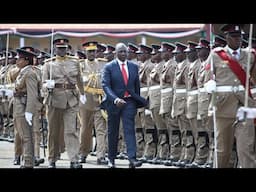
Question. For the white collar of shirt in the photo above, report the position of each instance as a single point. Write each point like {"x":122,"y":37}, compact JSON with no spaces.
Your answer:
{"x":231,"y":51}
{"x":24,"y":68}
{"x":125,"y":65}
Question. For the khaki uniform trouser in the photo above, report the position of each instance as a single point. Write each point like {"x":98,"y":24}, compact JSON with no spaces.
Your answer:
{"x":101,"y":134}
{"x":36,"y":132}
{"x":86,"y":131}
{"x":68,"y":118}
{"x":245,"y":140}
{"x":17,"y":140}
{"x":27,"y":140}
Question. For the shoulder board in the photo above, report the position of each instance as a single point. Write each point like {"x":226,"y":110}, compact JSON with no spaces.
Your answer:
{"x":81,"y":60}
{"x":49,"y":59}
{"x":37,"y":67}
{"x":72,"y":57}
{"x":102,"y":59}
{"x":217,"y":49}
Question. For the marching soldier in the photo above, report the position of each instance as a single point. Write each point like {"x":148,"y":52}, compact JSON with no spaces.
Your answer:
{"x":90,"y":112}
{"x":61,"y":77}
{"x":26,"y":103}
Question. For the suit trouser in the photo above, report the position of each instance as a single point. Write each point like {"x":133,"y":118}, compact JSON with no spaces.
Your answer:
{"x":68,"y":117}
{"x":127,"y":114}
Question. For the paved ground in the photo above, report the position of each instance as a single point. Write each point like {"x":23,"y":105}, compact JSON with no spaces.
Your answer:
{"x":7,"y":155}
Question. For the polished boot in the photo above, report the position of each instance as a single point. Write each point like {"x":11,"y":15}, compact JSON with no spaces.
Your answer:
{"x":16,"y":161}
{"x":102,"y":161}
{"x":135,"y":163}
{"x":82,"y":159}
{"x":39,"y":161}
{"x":52,"y":165}
{"x":75,"y":165}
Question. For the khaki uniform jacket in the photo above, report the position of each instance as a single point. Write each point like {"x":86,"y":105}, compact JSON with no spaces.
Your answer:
{"x":91,"y":75}
{"x":167,"y":79}
{"x":26,"y":82}
{"x":180,"y":80}
{"x":192,"y":106}
{"x":227,"y":103}
{"x":59,"y":97}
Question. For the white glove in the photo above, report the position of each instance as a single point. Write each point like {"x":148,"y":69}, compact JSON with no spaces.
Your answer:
{"x":249,"y":113}
{"x":83,"y":99}
{"x":50,"y":84}
{"x":28,"y":117}
{"x":210,"y":86}
{"x":148,"y":112}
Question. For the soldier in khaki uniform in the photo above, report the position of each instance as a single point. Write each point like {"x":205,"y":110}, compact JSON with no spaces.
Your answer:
{"x":26,"y":103}
{"x":148,"y":124}
{"x":229,"y":64}
{"x":90,"y":112}
{"x":139,"y":126}
{"x":179,"y":107}
{"x":192,"y":94}
{"x":154,"y":106}
{"x":61,"y":77}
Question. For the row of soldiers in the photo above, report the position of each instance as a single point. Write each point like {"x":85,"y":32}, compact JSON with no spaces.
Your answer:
{"x":175,"y":129}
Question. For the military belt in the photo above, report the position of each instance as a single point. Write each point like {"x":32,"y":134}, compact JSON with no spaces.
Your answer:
{"x":155,"y":87}
{"x":93,"y":90}
{"x":65,"y":86}
{"x":193,"y":92}
{"x":166,"y":90}
{"x":180,"y":90}
{"x":230,"y":88}
{"x":19,"y":94}
{"x":253,"y":90}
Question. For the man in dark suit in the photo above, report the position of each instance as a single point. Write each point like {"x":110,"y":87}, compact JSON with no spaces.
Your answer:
{"x":120,"y":82}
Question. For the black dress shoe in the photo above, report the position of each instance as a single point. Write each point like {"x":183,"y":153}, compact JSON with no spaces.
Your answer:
{"x":16,"y":161}
{"x":39,"y":161}
{"x":75,"y":165}
{"x":102,"y":161}
{"x":135,"y":163}
{"x":82,"y":159}
{"x":52,"y":165}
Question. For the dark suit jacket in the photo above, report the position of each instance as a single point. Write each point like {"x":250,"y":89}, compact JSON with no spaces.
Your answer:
{"x":114,"y":86}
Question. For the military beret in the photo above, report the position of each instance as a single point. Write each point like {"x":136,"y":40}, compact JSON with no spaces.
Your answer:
{"x":191,"y":46}
{"x":90,"y":45}
{"x":132,"y":48}
{"x":180,"y":47}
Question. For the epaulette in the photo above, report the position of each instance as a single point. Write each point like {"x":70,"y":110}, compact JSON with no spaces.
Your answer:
{"x":81,"y":60}
{"x":72,"y":57}
{"x":37,"y":67}
{"x":102,"y":59}
{"x":49,"y":59}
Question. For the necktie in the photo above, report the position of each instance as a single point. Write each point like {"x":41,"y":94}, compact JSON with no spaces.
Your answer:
{"x":235,"y":54}
{"x":124,"y":73}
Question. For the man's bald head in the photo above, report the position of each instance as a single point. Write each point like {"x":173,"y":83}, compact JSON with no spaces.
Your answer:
{"x":121,"y":51}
